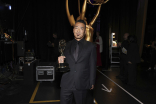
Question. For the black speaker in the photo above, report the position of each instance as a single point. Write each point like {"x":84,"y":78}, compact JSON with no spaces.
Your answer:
{"x":7,"y":51}
{"x":20,"y":48}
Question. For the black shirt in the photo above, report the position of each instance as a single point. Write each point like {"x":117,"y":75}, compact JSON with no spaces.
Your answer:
{"x":74,"y":43}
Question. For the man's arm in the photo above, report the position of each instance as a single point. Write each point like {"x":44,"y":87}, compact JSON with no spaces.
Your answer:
{"x":93,"y":67}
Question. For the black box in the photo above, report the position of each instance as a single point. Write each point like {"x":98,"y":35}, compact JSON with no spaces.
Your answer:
{"x":45,"y":73}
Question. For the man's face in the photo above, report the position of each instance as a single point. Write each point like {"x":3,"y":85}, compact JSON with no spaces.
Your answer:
{"x":79,"y":30}
{"x":125,"y":36}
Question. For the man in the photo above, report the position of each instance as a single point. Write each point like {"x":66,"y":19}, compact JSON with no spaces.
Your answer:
{"x":133,"y":58}
{"x":54,"y":44}
{"x":123,"y":57}
{"x":81,"y":57}
{"x":99,"y":48}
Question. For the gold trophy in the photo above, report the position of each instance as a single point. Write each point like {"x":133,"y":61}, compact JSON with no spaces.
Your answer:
{"x":62,"y":67}
{"x":89,"y":29}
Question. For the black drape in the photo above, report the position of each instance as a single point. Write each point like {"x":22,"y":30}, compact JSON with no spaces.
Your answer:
{"x":120,"y":16}
{"x":41,"y":19}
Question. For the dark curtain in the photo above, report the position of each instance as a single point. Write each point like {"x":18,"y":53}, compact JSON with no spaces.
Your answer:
{"x":41,"y":19}
{"x":120,"y":16}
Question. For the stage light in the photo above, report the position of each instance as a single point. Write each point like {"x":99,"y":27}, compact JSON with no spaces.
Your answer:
{"x":9,"y":7}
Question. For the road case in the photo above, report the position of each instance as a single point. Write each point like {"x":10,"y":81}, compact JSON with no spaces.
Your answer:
{"x":45,"y":73}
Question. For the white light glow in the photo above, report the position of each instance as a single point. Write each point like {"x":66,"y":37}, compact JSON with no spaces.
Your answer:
{"x":9,"y":7}
{"x":113,"y":33}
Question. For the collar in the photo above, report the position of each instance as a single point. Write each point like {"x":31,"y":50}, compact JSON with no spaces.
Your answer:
{"x":75,"y":41}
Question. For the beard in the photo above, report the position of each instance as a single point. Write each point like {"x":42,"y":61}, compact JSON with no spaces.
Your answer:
{"x":79,"y":37}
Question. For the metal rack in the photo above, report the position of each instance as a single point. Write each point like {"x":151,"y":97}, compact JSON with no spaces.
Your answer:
{"x":114,"y":52}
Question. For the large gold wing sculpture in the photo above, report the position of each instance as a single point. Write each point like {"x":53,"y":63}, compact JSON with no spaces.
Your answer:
{"x":89,"y":29}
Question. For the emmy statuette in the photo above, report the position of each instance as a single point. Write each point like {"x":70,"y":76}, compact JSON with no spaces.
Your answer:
{"x":62,"y":67}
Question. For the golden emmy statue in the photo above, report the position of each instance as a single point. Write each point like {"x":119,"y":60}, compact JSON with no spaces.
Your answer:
{"x":62,"y":67}
{"x":89,"y":29}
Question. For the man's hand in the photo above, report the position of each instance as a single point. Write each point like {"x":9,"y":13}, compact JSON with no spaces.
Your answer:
{"x":61,"y":59}
{"x":92,"y":87}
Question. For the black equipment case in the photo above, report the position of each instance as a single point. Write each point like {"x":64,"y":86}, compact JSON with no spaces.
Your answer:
{"x":45,"y":72}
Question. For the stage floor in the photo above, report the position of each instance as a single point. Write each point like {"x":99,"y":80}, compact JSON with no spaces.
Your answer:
{"x":108,"y":90}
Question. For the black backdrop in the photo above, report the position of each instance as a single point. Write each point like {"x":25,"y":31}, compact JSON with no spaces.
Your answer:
{"x":42,"y":18}
{"x":120,"y":16}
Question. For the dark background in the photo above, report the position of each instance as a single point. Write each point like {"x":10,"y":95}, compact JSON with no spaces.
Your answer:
{"x":42,"y":18}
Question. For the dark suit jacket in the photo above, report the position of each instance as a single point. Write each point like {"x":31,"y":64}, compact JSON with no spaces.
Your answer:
{"x":125,"y":44}
{"x":133,"y":53}
{"x":123,"y":57}
{"x":83,"y":71}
